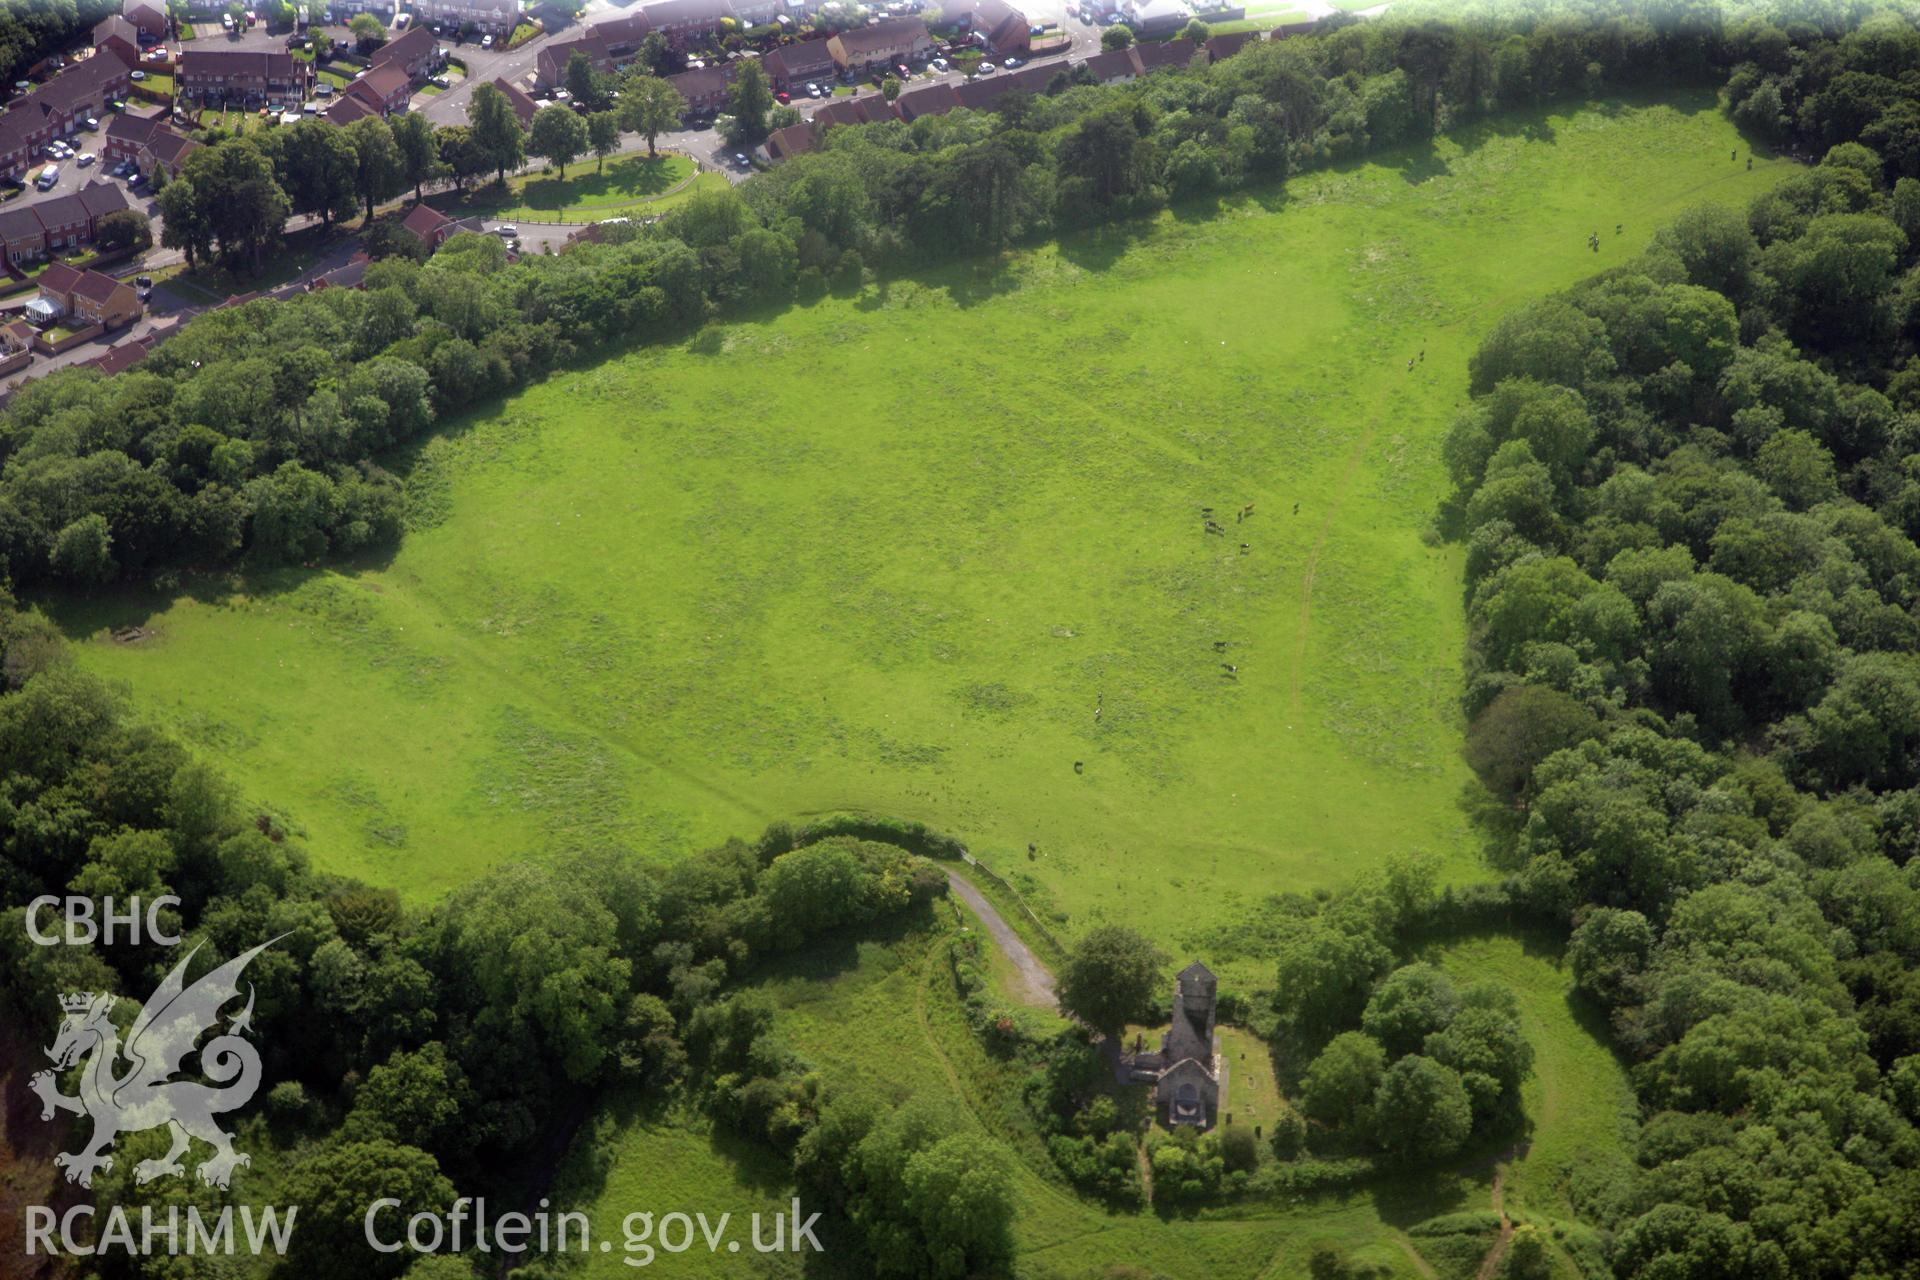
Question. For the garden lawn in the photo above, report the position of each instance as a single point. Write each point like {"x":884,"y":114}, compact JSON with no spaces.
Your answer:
{"x":938,"y":552}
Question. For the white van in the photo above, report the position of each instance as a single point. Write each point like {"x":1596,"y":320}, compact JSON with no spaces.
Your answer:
{"x":48,"y":176}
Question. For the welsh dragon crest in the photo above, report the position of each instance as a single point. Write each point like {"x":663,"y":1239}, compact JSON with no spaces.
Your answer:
{"x":144,"y":1096}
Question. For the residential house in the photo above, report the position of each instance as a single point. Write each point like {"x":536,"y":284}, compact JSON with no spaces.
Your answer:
{"x":57,"y":107}
{"x":624,"y":36}
{"x":433,"y":228}
{"x":550,"y":65}
{"x":16,"y":347}
{"x":22,"y":237}
{"x":1113,"y":66}
{"x":383,"y":88}
{"x":59,"y":225}
{"x":1185,"y":1072}
{"x":800,"y":63}
{"x":123,"y":356}
{"x":704,"y":88}
{"x":870,"y":108}
{"x":148,"y":18}
{"x":609,"y":46}
{"x":934,"y":100}
{"x":1155,"y":54}
{"x":64,"y":222}
{"x":351,"y":276}
{"x":523,"y":104}
{"x":496,"y":17}
{"x":416,"y":54}
{"x":757,"y":13}
{"x":244,"y":75}
{"x":347,"y":108}
{"x":117,"y":36}
{"x":1150,"y":18}
{"x":85,"y":297}
{"x":1219,"y":47}
{"x":1006,"y":30}
{"x":16,"y":150}
{"x":688,"y":22}
{"x":881,"y":45}
{"x":985,"y":92}
{"x":784,"y":144}
{"x":146,"y":139}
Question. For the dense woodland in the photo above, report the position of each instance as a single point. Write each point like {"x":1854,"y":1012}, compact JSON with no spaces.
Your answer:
{"x":1690,"y":492}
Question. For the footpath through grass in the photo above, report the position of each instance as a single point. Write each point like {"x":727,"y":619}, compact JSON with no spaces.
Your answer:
{"x":940,"y":553}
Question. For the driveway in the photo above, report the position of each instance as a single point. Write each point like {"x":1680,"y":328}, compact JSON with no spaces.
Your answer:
{"x":1035,"y":980}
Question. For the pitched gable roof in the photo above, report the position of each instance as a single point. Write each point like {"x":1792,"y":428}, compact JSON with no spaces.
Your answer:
{"x":934,"y":100}
{"x":416,"y":43}
{"x":59,"y":278}
{"x":115,"y":25}
{"x":523,"y":105}
{"x":102,"y":198}
{"x":424,"y":220}
{"x":861,"y":41}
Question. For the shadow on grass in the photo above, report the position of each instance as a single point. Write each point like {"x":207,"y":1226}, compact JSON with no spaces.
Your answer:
{"x":626,"y":181}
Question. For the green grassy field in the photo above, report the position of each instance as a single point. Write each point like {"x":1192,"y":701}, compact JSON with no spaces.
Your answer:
{"x":1578,"y":1097}
{"x":921,"y":552}
{"x":587,"y":194}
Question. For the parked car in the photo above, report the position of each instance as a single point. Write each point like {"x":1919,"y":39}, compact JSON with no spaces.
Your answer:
{"x":1013,"y":64}
{"x":90,"y":124}
{"x":86,"y":158}
{"x":901,"y":70}
{"x":740,"y":158}
{"x":507,"y":232}
{"x":486,"y":42}
{"x":441,"y":82}
{"x":987,"y":68}
{"x":813,"y":91}
{"x":941,"y":64}
{"x":48,"y":176}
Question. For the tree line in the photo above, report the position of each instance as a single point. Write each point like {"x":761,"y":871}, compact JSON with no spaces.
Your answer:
{"x":1690,"y":494}
{"x":254,"y":436}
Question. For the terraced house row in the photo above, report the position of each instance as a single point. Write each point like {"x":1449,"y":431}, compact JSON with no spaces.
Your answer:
{"x":31,"y":232}
{"x":985,"y":92}
{"x":57,"y":108}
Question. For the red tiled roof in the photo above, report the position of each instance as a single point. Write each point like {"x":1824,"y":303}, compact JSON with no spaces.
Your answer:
{"x":423,"y":220}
